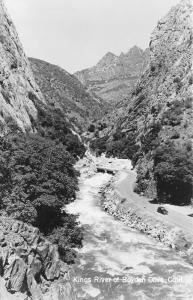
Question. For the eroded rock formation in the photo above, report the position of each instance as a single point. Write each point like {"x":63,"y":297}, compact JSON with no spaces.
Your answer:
{"x":30,"y":266}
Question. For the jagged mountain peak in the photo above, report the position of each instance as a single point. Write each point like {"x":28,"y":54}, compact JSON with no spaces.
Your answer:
{"x":107,"y":59}
{"x":114,"y":76}
{"x":134,"y":56}
{"x":135,"y":50}
{"x":109,"y":55}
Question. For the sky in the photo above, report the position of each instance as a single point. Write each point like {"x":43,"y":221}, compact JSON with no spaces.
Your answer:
{"x":75,"y":34}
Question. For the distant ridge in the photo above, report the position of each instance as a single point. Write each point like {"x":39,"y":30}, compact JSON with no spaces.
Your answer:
{"x":114,"y":76}
{"x":64,"y":91}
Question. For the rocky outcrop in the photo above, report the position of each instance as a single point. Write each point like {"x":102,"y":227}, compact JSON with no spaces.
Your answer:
{"x":18,"y":89}
{"x":65,"y":92}
{"x":114,"y":76}
{"x":30,"y":266}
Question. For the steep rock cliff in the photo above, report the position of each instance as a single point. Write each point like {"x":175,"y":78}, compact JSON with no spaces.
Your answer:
{"x":114,"y":76}
{"x":18,"y":88}
{"x":160,"y":108}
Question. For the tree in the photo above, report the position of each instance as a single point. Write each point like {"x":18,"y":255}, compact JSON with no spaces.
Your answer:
{"x":67,"y":236}
{"x":91,"y":128}
{"x":52,"y":125}
{"x":173,"y":172}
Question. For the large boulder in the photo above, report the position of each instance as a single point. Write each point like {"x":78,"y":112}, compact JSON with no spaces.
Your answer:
{"x":15,"y":274}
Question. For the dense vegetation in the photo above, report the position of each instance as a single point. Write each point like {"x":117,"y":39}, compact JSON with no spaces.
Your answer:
{"x":53,"y":125}
{"x":173,"y":172}
{"x":121,"y":145}
{"x":37,"y":179}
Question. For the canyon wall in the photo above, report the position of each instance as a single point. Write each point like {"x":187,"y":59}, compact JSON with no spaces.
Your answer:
{"x":18,"y":89}
{"x":154,"y":128}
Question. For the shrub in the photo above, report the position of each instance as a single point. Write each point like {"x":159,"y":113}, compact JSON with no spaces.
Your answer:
{"x":150,"y":140}
{"x":12,"y":124}
{"x":173,"y":115}
{"x":178,"y":82}
{"x":190,"y":81}
{"x":175,"y":135}
{"x":73,"y":145}
{"x":188,"y":145}
{"x":67,"y":236}
{"x":177,"y":79}
{"x":32,"y":97}
{"x":102,"y":126}
{"x":118,"y":135}
{"x":91,"y":128}
{"x":188,"y":102}
{"x":99,"y":145}
{"x":14,"y":64}
{"x":153,"y":68}
{"x":96,"y":134}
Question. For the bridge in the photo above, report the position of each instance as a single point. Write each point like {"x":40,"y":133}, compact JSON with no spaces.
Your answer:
{"x":106,"y":170}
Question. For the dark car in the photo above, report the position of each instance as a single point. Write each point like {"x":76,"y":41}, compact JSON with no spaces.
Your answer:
{"x":162,"y":210}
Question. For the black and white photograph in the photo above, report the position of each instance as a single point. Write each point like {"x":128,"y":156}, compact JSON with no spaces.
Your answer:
{"x":96,"y":149}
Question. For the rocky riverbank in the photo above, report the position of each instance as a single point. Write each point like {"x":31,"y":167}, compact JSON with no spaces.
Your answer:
{"x":30,"y":266}
{"x":130,"y":213}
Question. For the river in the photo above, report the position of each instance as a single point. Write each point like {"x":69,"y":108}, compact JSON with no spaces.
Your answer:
{"x":117,"y":262}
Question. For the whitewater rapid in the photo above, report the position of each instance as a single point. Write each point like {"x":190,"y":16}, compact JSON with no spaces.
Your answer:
{"x":117,"y":262}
